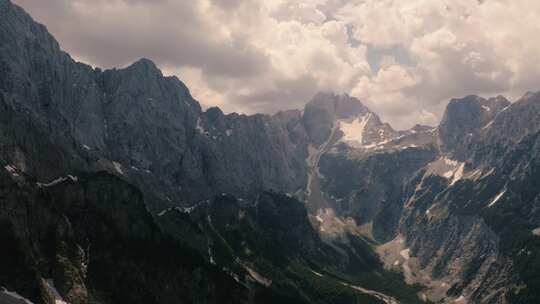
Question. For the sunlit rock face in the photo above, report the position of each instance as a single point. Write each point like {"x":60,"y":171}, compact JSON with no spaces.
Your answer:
{"x":465,"y":120}
{"x":443,"y":193}
{"x":461,"y":208}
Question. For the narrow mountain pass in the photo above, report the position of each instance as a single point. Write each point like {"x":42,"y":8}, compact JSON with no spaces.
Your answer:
{"x":332,"y":227}
{"x":315,"y":198}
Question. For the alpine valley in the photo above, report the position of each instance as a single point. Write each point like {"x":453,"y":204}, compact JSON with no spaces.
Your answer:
{"x":116,"y":187}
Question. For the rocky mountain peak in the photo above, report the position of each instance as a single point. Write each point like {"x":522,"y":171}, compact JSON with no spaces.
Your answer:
{"x":530,"y":96}
{"x":470,"y":105}
{"x":514,"y":121}
{"x":338,"y":105}
{"x":144,"y":66}
{"x":472,"y":111}
{"x":464,"y":118}
{"x":343,"y":118}
{"x":325,"y":110}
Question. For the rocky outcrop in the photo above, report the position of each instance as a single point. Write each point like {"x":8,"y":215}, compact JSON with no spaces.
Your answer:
{"x":468,"y":224}
{"x":371,"y":190}
{"x":463,"y":121}
{"x":454,"y":247}
{"x":443,"y":196}
{"x":270,"y":241}
{"x":89,"y":239}
{"x":134,"y":122}
{"x":322,"y":112}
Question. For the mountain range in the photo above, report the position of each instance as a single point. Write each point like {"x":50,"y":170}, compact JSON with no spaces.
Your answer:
{"x":117,"y":187}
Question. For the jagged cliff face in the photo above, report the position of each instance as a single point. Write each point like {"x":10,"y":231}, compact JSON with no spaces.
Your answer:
{"x":468,"y":225}
{"x":101,"y":170}
{"x":463,"y":121}
{"x":422,"y":193}
{"x":117,"y":187}
{"x":456,"y":205}
{"x":358,"y":172}
{"x":89,"y":239}
{"x":131,"y":121}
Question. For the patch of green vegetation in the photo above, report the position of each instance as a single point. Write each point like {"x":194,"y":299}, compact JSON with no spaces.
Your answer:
{"x":374,"y":276}
{"x":276,"y":239}
{"x":324,"y":286}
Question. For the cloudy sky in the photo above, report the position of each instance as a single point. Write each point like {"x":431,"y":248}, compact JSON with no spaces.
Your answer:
{"x":403,"y":58}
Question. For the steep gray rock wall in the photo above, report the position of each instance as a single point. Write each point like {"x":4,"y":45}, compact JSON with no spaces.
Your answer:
{"x":90,"y":239}
{"x":463,"y":121}
{"x":371,"y":190}
{"x":454,"y":246}
{"x":456,"y":213}
{"x":475,"y":232}
{"x":61,"y":116}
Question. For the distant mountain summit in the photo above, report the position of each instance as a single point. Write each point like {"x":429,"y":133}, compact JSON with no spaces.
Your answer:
{"x":357,"y":125}
{"x":464,"y":120}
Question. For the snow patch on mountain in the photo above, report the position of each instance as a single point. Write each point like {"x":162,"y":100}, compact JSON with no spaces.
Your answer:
{"x":200,"y":128}
{"x":382,"y":297}
{"x":58,"y":181}
{"x":257,"y":276}
{"x":118,"y":167}
{"x":317,"y":274}
{"x":447,"y":168}
{"x":458,"y":174}
{"x":474,"y":175}
{"x":488,"y":125}
{"x":12,"y":169}
{"x":496,"y":198}
{"x":11,"y":294}
{"x":49,"y":286}
{"x":353,"y":130}
{"x":211,"y":256}
{"x":185,"y":210}
{"x":405,"y":253}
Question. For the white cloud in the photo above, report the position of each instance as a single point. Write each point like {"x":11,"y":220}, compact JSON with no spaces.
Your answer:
{"x":456,"y":48}
{"x":252,"y":56}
